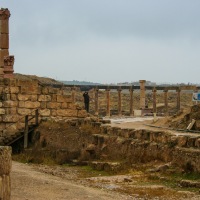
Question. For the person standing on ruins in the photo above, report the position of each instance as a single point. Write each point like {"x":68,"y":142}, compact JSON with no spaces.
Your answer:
{"x":86,"y":100}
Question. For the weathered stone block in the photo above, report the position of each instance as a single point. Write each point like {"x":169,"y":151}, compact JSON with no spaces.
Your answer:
{"x":25,"y":97}
{"x":53,"y":90}
{"x":4,"y":26}
{"x":2,"y":111}
{"x":4,"y":41}
{"x":62,"y":99}
{"x":9,"y":104}
{"x":6,"y":90}
{"x":23,"y":111}
{"x":54,"y":105}
{"x":21,"y":104}
{"x":13,"y":97}
{"x":53,"y":97}
{"x":43,"y":105}
{"x":44,"y":98}
{"x":5,"y":160}
{"x":14,"y":90}
{"x":10,"y":118}
{"x":67,"y":113}
{"x":6,"y":187}
{"x":11,"y":111}
{"x":30,"y":104}
{"x":30,"y":89}
{"x":69,"y":105}
{"x":45,"y":112}
{"x":1,"y":104}
{"x":44,"y":90}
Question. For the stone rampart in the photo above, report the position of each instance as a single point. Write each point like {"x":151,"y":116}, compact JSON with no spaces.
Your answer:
{"x":137,"y":146}
{"x":23,"y":97}
{"x":5,"y":168}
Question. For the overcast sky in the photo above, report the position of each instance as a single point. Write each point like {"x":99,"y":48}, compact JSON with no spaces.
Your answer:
{"x":106,"y":41}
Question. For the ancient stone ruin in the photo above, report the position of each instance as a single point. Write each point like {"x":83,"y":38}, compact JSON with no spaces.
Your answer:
{"x":6,"y":61}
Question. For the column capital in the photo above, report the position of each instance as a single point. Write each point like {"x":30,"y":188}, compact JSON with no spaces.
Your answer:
{"x":142,"y":81}
{"x":119,"y":89}
{"x":154,"y":90}
{"x":4,"y":13}
{"x":178,"y":90}
{"x":9,"y":60}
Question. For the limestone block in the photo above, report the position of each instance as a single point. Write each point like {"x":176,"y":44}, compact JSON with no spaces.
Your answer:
{"x":44,"y":90}
{"x":1,"y":187}
{"x":2,"y":111}
{"x":10,"y":118}
{"x":53,"y":97}
{"x":6,"y":90}
{"x":14,"y":90}
{"x":197,"y":143}
{"x":45,"y":112}
{"x":1,"y":104}
{"x":21,"y":104}
{"x":54,"y":105}
{"x":63,"y":98}
{"x":69,"y":105}
{"x":1,"y":70}
{"x":25,"y":97}
{"x":4,"y":26}
{"x":5,"y":160}
{"x":30,"y":89}
{"x":4,"y":41}
{"x":11,"y":111}
{"x":30,"y":104}
{"x":6,"y":187}
{"x":9,"y":104}
{"x":13,"y":97}
{"x":53,"y":90}
{"x":43,"y":105}
{"x":67,"y":113}
{"x":23,"y":111}
{"x":182,"y":141}
{"x":44,"y":98}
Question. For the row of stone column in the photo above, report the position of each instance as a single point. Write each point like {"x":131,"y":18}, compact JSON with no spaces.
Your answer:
{"x":142,"y":99}
{"x":6,"y":61}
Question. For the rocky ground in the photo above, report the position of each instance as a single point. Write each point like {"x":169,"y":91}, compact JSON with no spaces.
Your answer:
{"x":30,"y":182}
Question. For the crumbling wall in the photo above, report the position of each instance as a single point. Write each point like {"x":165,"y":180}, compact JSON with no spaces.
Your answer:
{"x":23,"y":97}
{"x":5,"y":168}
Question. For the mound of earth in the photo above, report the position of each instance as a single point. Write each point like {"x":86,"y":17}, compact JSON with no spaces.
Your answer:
{"x":183,"y":119}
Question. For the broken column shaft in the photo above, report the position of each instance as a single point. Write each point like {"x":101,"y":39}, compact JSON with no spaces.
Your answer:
{"x":142,"y":94}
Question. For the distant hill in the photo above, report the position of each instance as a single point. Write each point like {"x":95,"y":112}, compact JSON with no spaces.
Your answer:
{"x":75,"y":82}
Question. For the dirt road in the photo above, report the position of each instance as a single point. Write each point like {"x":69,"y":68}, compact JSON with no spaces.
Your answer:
{"x":30,"y":184}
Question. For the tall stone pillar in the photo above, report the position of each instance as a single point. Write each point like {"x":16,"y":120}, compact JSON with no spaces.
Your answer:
{"x":142,"y":94}
{"x":154,"y":100}
{"x":108,"y":102}
{"x":178,"y":99}
{"x":119,"y":101}
{"x":8,"y":66}
{"x":166,"y":102}
{"x":131,"y":100}
{"x":5,"y":170}
{"x":73,"y":92}
{"x":4,"y":37}
{"x":96,"y":98}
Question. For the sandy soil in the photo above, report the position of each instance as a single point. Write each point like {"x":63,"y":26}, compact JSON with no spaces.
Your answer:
{"x":30,"y":184}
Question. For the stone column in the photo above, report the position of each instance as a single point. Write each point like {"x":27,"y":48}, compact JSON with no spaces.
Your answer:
{"x":5,"y":169}
{"x":4,"y":37}
{"x":166,"y":102}
{"x":73,"y":90}
{"x":154,"y":100}
{"x":178,"y":99}
{"x":108,"y":102}
{"x":142,"y":94}
{"x":96,"y":101}
{"x":119,"y":101}
{"x":131,"y":100}
{"x":8,"y":66}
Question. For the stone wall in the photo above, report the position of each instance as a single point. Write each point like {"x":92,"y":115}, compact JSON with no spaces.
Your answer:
{"x":23,"y":97}
{"x":141,"y":146}
{"x":5,"y":168}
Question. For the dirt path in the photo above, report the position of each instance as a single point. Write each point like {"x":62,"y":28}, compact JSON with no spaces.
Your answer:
{"x":30,"y":184}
